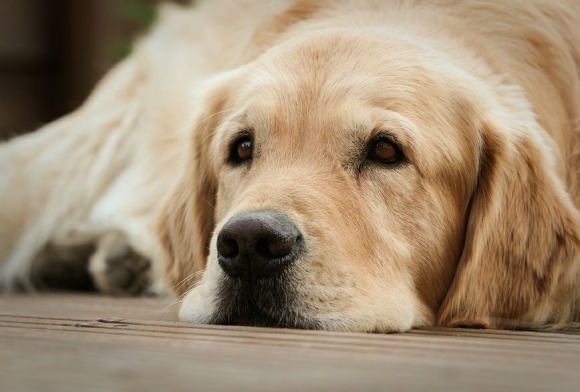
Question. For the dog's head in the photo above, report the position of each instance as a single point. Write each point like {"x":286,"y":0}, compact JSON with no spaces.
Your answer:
{"x":357,"y":181}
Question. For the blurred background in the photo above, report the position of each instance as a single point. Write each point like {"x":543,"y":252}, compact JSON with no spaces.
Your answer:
{"x":52,"y":52}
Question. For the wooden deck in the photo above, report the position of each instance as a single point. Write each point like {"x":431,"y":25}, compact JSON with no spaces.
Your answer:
{"x":90,"y":343}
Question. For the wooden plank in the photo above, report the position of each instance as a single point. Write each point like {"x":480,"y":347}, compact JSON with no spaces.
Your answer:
{"x":73,"y":342}
{"x":89,"y":306}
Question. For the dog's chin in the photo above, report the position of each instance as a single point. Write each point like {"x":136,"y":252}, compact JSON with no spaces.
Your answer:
{"x":262,"y":303}
{"x":257,"y":318}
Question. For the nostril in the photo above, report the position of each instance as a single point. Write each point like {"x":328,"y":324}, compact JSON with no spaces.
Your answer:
{"x":275,"y":247}
{"x":228,"y":248}
{"x":280,"y":248}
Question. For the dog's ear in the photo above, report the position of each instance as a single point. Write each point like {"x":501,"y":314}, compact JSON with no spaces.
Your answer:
{"x":518,"y":263}
{"x":186,"y":220}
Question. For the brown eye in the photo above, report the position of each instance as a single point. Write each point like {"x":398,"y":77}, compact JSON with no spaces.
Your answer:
{"x":243,"y":150}
{"x":384,"y":151}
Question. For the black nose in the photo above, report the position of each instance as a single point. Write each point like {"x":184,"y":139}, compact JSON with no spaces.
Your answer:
{"x":257,"y":244}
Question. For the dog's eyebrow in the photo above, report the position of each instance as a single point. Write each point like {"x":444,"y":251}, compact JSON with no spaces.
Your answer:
{"x":235,"y":125}
{"x":361,"y":125}
{"x":388,"y":123}
{"x":237,"y":118}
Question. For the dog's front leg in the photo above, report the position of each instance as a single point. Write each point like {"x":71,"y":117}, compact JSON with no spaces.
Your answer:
{"x":51,"y":179}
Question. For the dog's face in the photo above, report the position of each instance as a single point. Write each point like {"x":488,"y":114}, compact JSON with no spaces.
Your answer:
{"x":331,"y":186}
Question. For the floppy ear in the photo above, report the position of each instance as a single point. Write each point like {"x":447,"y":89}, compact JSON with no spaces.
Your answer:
{"x":517,"y":268}
{"x":186,"y":220}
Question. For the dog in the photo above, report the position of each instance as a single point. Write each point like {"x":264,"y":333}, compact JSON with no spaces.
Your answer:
{"x":368,"y":165}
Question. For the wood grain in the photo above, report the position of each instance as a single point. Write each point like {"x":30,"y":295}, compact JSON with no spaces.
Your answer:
{"x":93,"y":343}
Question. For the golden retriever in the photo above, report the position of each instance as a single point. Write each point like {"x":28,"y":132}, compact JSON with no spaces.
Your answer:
{"x":354,"y":165}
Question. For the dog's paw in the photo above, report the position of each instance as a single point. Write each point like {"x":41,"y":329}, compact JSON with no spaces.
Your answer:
{"x":53,"y":268}
{"x":62,"y":268}
{"x":16,"y":283}
{"x":117,"y":269}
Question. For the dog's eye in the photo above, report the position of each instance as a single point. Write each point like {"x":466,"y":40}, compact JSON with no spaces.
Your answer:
{"x":384,"y":151}
{"x":243,"y":150}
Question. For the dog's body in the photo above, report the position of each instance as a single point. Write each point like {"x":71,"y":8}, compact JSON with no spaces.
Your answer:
{"x":349,"y":165}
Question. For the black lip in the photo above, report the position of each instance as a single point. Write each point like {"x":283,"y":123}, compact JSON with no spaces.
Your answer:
{"x":260,"y":303}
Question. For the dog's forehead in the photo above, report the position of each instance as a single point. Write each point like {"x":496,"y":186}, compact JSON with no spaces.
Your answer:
{"x":321,"y":78}
{"x":321,"y":96}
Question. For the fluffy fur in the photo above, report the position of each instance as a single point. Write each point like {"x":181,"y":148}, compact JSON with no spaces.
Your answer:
{"x":479,"y":225}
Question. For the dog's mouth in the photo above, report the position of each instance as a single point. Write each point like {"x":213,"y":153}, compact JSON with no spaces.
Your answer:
{"x":267,"y":302}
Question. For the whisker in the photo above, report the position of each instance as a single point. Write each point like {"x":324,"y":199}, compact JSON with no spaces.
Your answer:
{"x":187,"y":279}
{"x":179,"y":299}
{"x":209,"y":203}
{"x":216,"y":114}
